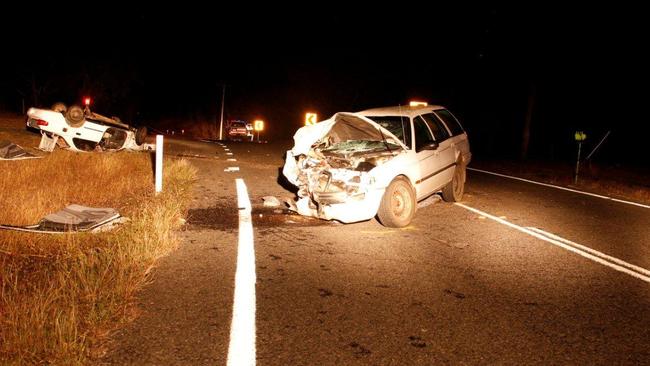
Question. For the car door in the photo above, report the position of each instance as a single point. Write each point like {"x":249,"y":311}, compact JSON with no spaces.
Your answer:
{"x":436,"y":165}
{"x":458,"y":137}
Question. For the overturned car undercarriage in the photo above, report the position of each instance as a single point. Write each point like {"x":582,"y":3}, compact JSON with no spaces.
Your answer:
{"x":338,"y":166}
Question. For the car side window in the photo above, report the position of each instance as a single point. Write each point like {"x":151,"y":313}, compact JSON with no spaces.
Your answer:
{"x":451,"y":122}
{"x":423,"y":136}
{"x":439,"y":130}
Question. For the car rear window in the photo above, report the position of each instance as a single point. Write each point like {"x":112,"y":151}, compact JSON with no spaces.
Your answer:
{"x":399,"y":126}
{"x":450,"y":121}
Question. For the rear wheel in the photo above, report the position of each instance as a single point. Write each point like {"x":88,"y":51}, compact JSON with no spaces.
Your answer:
{"x":453,"y":191}
{"x":74,"y":116}
{"x":398,"y":205}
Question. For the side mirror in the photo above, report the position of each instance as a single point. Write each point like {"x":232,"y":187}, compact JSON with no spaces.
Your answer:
{"x":430,"y":146}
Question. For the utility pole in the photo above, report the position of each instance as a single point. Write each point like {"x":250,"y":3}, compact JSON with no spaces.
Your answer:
{"x":223,"y":99}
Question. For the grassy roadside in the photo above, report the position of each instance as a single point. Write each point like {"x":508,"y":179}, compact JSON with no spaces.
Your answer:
{"x":60,"y":295}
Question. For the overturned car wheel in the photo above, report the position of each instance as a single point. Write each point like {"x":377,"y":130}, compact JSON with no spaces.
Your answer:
{"x":59,"y":107}
{"x":398,"y":205}
{"x":140,"y":135}
{"x":74,"y":116}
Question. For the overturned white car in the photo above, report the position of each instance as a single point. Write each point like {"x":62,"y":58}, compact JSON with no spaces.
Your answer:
{"x":378,"y":162}
{"x":80,"y":129}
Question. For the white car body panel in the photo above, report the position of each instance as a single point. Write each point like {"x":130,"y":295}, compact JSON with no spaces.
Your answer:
{"x":309,"y":166}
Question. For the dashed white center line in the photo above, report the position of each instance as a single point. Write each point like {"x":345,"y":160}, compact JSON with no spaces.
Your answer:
{"x":231,"y":169}
{"x":592,"y":254}
{"x":241,"y":351}
{"x":231,"y":159}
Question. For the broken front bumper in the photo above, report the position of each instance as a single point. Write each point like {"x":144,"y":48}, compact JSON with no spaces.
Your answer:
{"x":350,"y":210}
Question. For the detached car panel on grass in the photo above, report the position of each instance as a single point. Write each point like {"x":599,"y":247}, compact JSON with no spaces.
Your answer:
{"x":83,"y":130}
{"x":379,"y":162}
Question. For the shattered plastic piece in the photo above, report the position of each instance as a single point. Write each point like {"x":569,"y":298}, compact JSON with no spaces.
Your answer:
{"x":48,"y":143}
{"x":74,"y":218}
{"x":429,"y":201}
{"x":271,"y":201}
{"x":11,"y":151}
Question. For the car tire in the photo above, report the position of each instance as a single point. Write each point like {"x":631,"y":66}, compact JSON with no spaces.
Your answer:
{"x":453,"y":191}
{"x":75,"y":116}
{"x":398,"y":205}
{"x":140,"y":135}
{"x":59,"y":107}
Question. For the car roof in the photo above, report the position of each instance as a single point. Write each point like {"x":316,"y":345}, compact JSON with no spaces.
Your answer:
{"x":398,"y":110}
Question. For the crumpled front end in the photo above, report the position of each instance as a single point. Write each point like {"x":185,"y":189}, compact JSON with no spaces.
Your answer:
{"x":337,"y":175}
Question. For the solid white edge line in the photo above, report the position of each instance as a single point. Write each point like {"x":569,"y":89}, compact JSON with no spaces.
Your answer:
{"x":592,"y":251}
{"x":559,"y":187}
{"x":241,"y":350}
{"x":558,"y":243}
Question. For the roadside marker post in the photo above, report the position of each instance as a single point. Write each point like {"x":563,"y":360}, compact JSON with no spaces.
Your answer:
{"x":159,"y":163}
{"x":580,"y":137}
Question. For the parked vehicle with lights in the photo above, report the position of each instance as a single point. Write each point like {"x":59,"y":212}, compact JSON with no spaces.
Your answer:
{"x":238,"y":130}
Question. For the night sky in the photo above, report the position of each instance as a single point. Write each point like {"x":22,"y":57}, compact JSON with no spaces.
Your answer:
{"x":584,"y":66}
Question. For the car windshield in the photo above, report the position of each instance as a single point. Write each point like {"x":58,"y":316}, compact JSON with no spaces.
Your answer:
{"x":399,"y":126}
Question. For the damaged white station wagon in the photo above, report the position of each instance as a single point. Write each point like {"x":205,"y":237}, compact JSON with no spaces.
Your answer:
{"x":378,"y":162}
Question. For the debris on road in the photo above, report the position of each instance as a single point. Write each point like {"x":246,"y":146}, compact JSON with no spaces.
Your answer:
{"x":74,"y":218}
{"x":271,"y":201}
{"x":429,"y":201}
{"x":11,"y":151}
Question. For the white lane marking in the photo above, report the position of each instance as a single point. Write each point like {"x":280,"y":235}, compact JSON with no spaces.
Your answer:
{"x":228,"y":153}
{"x":241,"y":351}
{"x":226,"y":149}
{"x":231,"y":169}
{"x":562,"y":188}
{"x":601,"y":258}
{"x":592,"y":251}
{"x":231,"y":159}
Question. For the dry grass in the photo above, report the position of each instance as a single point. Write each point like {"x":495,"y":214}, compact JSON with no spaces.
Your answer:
{"x":61,"y":295}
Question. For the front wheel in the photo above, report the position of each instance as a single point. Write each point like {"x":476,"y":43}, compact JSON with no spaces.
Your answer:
{"x":453,"y":191}
{"x":398,"y":205}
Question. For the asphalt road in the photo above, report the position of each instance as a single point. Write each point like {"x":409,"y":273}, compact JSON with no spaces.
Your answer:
{"x":455,"y":287}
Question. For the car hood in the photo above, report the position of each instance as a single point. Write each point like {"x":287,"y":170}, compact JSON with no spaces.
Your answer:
{"x":342,"y":126}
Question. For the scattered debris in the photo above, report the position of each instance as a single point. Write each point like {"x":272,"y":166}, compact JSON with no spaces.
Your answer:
{"x":271,"y":201}
{"x":456,"y":294}
{"x":417,"y":342}
{"x":359,"y":350}
{"x":11,"y":151}
{"x":197,"y":156}
{"x":429,"y":201}
{"x":323,"y":292}
{"x":74,"y":218}
{"x":48,"y":143}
